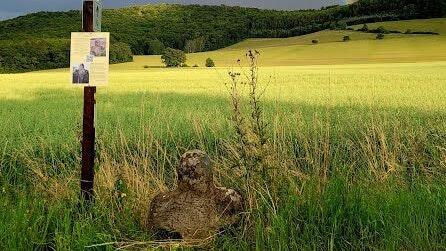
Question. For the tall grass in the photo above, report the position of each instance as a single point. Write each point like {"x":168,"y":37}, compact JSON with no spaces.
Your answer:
{"x":380,"y":188}
{"x":372,"y":180}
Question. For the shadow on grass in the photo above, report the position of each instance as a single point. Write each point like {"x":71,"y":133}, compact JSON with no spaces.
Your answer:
{"x":48,"y":127}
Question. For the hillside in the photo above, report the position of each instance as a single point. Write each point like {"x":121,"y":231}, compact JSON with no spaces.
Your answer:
{"x":220,"y":26}
{"x":437,"y":25}
{"x":363,"y":48}
{"x":40,"y":41}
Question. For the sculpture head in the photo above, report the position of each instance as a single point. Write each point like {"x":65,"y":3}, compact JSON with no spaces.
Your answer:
{"x":195,"y":171}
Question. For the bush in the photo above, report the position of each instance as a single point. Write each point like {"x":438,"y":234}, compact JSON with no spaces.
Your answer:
{"x":210,"y":62}
{"x":315,"y":41}
{"x":365,"y":28}
{"x":346,"y":38}
{"x":408,"y":31}
{"x":379,"y":36}
{"x":173,"y":58}
{"x":195,"y":66}
{"x":381,"y":30}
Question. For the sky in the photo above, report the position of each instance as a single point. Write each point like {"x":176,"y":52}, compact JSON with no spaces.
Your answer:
{"x":14,"y":8}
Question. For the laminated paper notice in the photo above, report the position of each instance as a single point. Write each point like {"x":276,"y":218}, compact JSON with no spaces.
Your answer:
{"x":89,"y":60}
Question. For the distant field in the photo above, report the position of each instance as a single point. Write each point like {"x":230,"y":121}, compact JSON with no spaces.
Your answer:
{"x":363,"y":48}
{"x":435,"y":25}
{"x":43,"y":106}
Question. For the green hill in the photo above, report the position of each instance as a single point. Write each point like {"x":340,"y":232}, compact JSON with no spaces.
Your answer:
{"x":437,"y":25}
{"x":220,"y":26}
{"x":26,"y":42}
{"x":362,"y":48}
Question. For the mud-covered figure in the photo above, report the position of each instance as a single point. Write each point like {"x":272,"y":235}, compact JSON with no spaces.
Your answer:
{"x":197,"y":208}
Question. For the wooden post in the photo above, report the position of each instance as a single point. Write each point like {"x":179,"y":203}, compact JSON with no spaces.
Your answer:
{"x":89,"y":131}
{"x":88,"y":16}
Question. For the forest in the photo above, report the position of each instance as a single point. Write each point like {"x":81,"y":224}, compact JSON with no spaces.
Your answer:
{"x":40,"y":40}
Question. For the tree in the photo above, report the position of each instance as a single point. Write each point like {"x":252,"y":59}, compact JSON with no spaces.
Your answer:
{"x":195,"y":45}
{"x":365,"y":28}
{"x":173,"y":58}
{"x":210,"y":62}
{"x":382,"y":30}
{"x":341,"y":25}
{"x":200,"y":28}
{"x":155,"y":47}
{"x":120,"y":53}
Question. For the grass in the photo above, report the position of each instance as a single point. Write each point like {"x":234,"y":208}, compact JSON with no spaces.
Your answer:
{"x":363,"y":48}
{"x":356,"y":152}
{"x":437,"y":25}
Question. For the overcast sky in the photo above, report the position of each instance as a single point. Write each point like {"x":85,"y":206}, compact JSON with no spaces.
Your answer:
{"x":14,"y":8}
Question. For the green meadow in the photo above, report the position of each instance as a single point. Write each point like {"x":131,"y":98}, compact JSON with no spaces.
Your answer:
{"x":331,"y":50}
{"x":356,"y":146}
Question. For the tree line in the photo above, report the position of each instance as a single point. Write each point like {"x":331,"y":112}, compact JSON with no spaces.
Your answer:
{"x":149,"y":29}
{"x":41,"y":54}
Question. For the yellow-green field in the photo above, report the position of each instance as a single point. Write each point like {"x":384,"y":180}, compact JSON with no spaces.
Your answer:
{"x":437,"y":25}
{"x":33,"y":102}
{"x":363,"y":48}
{"x":393,"y":85}
{"x":357,"y":139}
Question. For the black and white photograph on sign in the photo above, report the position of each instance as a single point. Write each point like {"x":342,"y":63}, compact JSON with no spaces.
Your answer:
{"x":98,"y":47}
{"x":81,"y":74}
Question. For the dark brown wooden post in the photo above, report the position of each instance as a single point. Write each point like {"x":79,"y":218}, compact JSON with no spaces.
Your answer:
{"x":88,"y":16}
{"x":89,"y":131}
